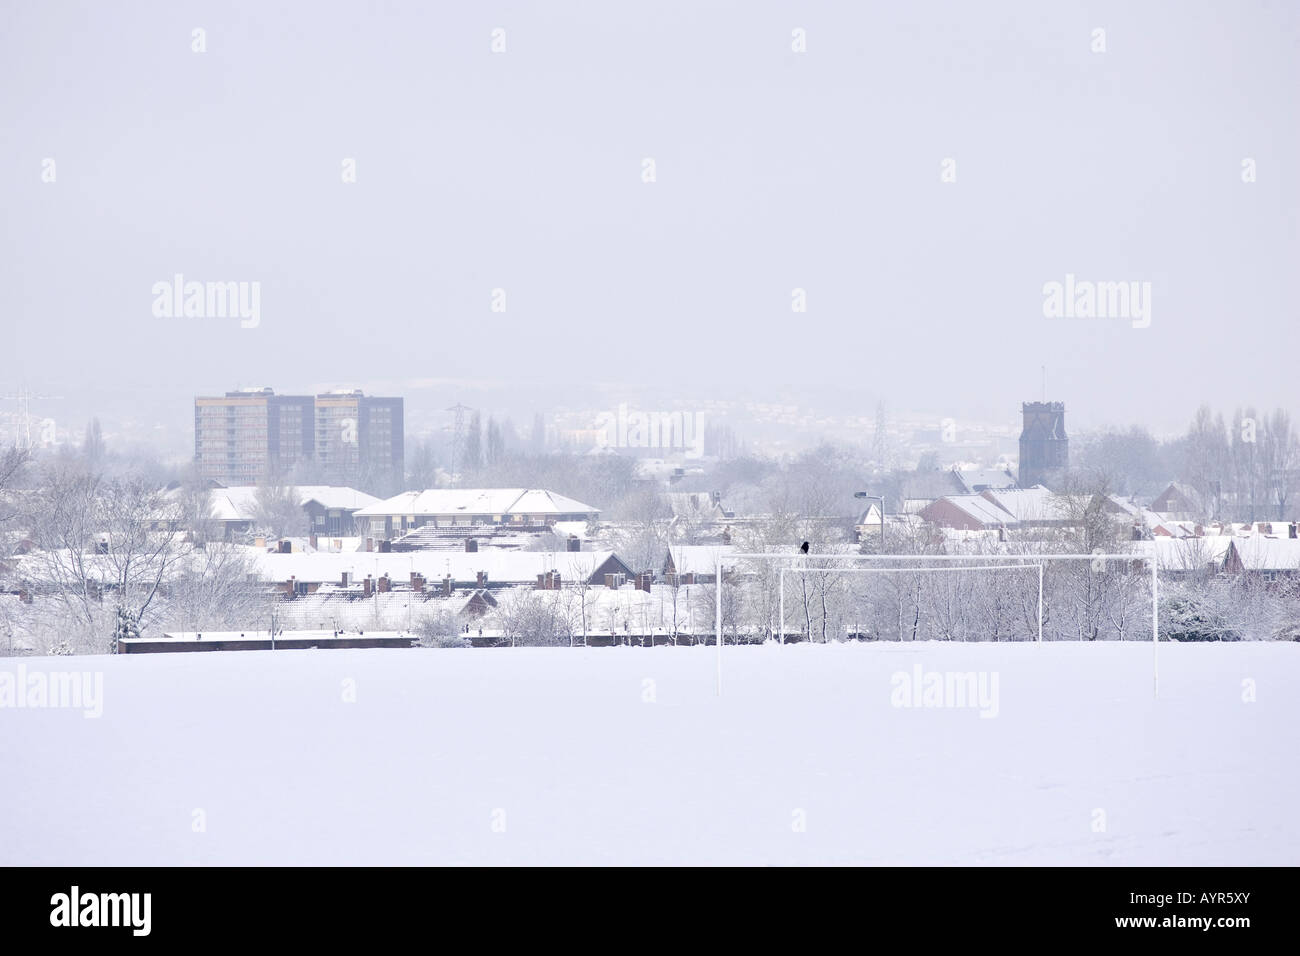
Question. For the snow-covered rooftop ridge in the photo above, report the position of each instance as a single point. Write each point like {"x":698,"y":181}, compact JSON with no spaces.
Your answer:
{"x":239,"y":503}
{"x":477,"y":501}
{"x":501,"y":566}
{"x":981,"y":509}
{"x":1035,"y":503}
{"x":976,"y":479}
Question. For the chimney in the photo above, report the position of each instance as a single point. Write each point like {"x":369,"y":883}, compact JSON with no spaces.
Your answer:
{"x":471,"y":546}
{"x":482,"y":579}
{"x":556,"y":580}
{"x":384,"y":584}
{"x":715,"y":497}
{"x":290,"y":587}
{"x":543,"y":582}
{"x":367,"y":588}
{"x":417,"y":582}
{"x":1291,"y":530}
{"x":573,"y":544}
{"x":346,"y":576}
{"x":446,"y":586}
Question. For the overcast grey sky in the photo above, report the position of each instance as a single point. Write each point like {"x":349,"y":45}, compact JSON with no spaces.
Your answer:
{"x":775,"y":170}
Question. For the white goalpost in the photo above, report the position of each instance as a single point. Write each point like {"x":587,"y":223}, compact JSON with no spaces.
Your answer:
{"x":989,"y":567}
{"x":1027,"y":561}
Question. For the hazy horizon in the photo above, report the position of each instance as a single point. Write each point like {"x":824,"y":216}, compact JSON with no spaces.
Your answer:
{"x":775,"y":170}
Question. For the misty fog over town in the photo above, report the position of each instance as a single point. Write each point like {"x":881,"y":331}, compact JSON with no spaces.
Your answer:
{"x":836,"y":413}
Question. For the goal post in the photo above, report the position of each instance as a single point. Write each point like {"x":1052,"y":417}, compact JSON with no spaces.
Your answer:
{"x":983,"y":562}
{"x":1037,"y":568}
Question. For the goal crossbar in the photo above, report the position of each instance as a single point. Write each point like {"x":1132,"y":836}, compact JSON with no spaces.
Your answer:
{"x":984,"y":567}
{"x":773,"y":556}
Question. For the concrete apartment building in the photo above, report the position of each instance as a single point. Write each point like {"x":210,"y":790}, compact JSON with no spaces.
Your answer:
{"x":247,"y":435}
{"x":339,"y":438}
{"x":358,"y":437}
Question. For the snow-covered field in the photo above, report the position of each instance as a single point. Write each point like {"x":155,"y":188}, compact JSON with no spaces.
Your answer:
{"x":626,"y":755}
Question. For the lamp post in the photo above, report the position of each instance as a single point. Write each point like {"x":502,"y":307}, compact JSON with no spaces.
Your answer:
{"x":880,"y":498}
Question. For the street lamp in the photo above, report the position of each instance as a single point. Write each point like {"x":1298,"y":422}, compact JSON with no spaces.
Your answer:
{"x":880,"y":498}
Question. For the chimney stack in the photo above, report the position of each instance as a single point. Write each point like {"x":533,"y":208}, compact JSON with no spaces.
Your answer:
{"x":471,"y":546}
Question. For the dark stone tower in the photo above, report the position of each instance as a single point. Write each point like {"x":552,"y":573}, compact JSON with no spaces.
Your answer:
{"x":1044,"y":446}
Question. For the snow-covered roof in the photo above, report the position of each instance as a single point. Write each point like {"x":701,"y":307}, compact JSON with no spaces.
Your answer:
{"x":502,"y":566}
{"x":694,"y":504}
{"x":870,"y":516}
{"x":477,"y":501}
{"x":1260,"y":553}
{"x":977,"y":479}
{"x":981,"y":509}
{"x":1257,"y":552}
{"x":1125,"y":505}
{"x":239,"y":503}
{"x":700,"y":558}
{"x":1035,"y":503}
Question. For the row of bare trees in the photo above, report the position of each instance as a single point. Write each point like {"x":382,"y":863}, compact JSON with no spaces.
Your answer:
{"x":95,"y":558}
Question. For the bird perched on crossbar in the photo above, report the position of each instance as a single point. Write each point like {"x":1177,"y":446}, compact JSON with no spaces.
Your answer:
{"x":803,"y":548}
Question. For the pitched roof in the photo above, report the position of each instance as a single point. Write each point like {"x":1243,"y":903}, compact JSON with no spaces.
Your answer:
{"x":240,"y":502}
{"x":477,"y":501}
{"x":932,"y":484}
{"x":976,"y":480}
{"x":1035,"y":503}
{"x":502,"y":567}
{"x":981,"y":510}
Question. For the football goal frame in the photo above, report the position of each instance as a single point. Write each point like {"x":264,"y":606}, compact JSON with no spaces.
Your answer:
{"x":982,"y":567}
{"x":1025,"y":560}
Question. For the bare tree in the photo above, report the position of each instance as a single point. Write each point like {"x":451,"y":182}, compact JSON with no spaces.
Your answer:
{"x":279,"y":511}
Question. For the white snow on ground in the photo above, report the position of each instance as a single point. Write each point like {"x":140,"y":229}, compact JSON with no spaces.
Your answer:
{"x":560,"y":747}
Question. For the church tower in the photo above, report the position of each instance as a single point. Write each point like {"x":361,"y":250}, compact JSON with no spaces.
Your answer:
{"x":1044,"y":446}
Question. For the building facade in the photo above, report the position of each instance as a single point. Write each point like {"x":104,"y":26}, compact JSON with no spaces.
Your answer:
{"x":359,"y":439}
{"x":246,"y":436}
{"x":1044,"y":445}
{"x":252,"y":435}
